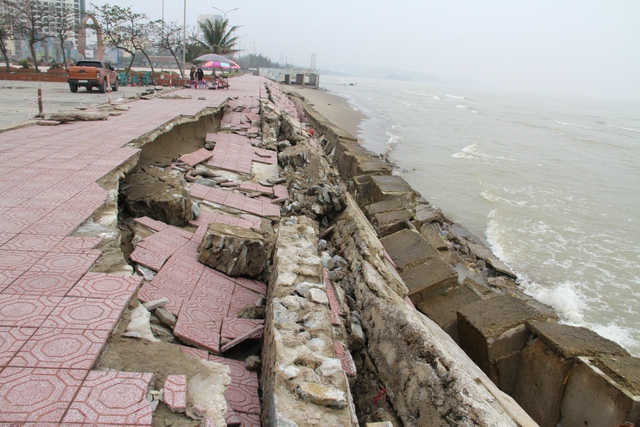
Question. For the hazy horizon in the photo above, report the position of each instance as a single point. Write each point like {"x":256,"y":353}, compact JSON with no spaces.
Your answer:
{"x":565,"y":47}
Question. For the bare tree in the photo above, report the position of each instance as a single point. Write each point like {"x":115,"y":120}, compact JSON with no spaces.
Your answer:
{"x":7,"y":24}
{"x":64,"y":25}
{"x":33,"y":18}
{"x":123,"y":29}
{"x":170,"y":39}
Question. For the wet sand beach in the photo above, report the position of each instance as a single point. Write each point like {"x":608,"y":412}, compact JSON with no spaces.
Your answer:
{"x":334,"y":108}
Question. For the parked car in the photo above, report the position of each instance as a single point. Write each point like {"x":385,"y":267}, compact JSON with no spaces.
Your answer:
{"x":92,"y":73}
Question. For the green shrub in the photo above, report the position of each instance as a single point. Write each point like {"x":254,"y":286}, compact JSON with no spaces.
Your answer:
{"x":25,"y":63}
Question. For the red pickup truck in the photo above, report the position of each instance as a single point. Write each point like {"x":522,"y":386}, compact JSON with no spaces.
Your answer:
{"x":92,"y":73}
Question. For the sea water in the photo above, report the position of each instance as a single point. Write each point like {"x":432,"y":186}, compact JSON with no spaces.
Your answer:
{"x":550,"y":183}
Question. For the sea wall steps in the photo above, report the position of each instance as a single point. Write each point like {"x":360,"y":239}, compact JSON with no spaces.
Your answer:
{"x":458,"y":283}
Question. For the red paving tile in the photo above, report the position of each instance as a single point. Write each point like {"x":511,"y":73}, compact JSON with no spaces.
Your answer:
{"x":175,"y":392}
{"x":113,"y":398}
{"x":31,"y":242}
{"x":11,"y":341}
{"x":151,"y":293}
{"x":86,"y":313}
{"x":249,"y":420}
{"x":19,"y":260}
{"x":37,"y":395}
{"x":61,"y":348}
{"x":148,"y":258}
{"x":198,"y":326}
{"x":281,"y":192}
{"x":241,"y":298}
{"x":199,"y":191}
{"x":25,"y":310}
{"x":242,"y":394}
{"x":77,"y":244}
{"x":234,"y":327}
{"x":196,"y":157}
{"x":151,"y":223}
{"x":40,"y":284}
{"x":102,"y":285}
{"x":254,"y":285}
{"x":347,"y":363}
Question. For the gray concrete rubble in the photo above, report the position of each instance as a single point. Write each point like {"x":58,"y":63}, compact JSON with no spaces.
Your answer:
{"x":235,"y":250}
{"x":158,"y":194}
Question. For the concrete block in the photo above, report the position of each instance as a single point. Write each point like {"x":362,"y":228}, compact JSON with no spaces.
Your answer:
{"x":387,"y":223}
{"x":408,"y":249}
{"x":546,"y":364}
{"x":385,"y":206}
{"x":432,"y":236}
{"x":593,"y":398}
{"x":429,"y":279}
{"x":384,"y":187}
{"x":494,"y":328}
{"x":442,"y":308}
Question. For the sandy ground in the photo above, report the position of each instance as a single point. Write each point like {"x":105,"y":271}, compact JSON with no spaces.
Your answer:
{"x":334,"y":108}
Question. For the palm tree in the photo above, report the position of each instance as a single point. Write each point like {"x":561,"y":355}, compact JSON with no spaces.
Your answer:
{"x":216,"y":38}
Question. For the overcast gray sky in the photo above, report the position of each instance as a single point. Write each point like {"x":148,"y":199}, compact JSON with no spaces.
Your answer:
{"x":589,"y":47}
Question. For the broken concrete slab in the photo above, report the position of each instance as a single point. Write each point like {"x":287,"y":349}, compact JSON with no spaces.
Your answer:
{"x":429,"y":279}
{"x":595,"y":398}
{"x":408,"y":249}
{"x":442,"y":308}
{"x":386,"y":187}
{"x":158,"y":194}
{"x":495,"y":328}
{"x":235,"y":250}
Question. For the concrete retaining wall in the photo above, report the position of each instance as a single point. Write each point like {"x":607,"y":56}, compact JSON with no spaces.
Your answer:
{"x":484,"y":311}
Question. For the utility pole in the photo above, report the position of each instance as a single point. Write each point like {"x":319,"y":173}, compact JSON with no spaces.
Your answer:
{"x":184,"y":40}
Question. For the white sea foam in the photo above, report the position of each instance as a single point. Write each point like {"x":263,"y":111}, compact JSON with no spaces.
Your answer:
{"x":566,"y":298}
{"x":623,"y":128}
{"x":461,"y":106}
{"x":456,"y":97}
{"x":436,"y":97}
{"x":574,"y":125}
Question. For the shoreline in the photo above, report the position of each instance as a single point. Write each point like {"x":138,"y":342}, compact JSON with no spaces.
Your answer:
{"x":335,"y":108}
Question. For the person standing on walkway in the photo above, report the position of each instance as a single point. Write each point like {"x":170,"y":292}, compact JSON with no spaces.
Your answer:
{"x":192,"y":73}
{"x":200,"y":76}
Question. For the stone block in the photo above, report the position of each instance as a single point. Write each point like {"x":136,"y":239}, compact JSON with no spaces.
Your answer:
{"x":593,"y":398}
{"x":386,"y":187}
{"x":494,"y":328}
{"x":158,"y":194}
{"x":546,"y":364}
{"x":429,"y":279}
{"x":408,"y":249}
{"x":385,"y":206}
{"x":432,"y":236}
{"x":387,"y":223}
{"x":235,"y":250}
{"x":426,"y":214}
{"x":442,"y":308}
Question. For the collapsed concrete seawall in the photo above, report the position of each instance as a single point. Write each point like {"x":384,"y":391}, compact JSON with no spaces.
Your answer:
{"x":475,"y":344}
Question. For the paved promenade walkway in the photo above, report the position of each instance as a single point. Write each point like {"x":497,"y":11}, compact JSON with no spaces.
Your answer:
{"x":56,"y":315}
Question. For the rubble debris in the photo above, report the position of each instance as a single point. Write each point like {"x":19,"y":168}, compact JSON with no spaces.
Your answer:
{"x":158,"y":194}
{"x":235,"y":250}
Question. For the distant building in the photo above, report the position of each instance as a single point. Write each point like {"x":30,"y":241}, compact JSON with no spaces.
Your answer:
{"x":50,"y":48}
{"x":201,"y":18}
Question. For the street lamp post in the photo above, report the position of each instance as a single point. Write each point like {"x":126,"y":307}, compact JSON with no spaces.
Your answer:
{"x":225,"y":12}
{"x":184,"y":39}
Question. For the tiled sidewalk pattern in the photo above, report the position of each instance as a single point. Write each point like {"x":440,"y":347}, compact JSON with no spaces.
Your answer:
{"x":55,"y":316}
{"x":205,"y":300}
{"x":235,"y":201}
{"x":232,"y":157}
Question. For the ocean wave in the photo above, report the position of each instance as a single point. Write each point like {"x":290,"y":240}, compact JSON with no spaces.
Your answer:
{"x":474,"y":151}
{"x":566,"y":298}
{"x":574,"y":125}
{"x":455,"y":97}
{"x":461,"y":106}
{"x":623,"y":128}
